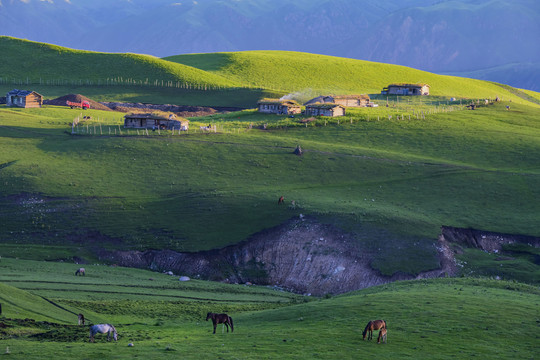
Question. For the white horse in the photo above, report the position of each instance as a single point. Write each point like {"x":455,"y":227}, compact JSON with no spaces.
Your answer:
{"x":103,"y":329}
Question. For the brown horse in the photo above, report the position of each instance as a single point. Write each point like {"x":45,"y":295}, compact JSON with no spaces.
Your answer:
{"x":220,"y":319}
{"x":373,"y":325}
{"x":382,"y":336}
{"x":281,"y":200}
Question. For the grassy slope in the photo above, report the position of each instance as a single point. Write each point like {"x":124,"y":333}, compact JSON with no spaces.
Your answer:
{"x":436,"y":319}
{"x":367,"y":176}
{"x":54,"y":71}
{"x":276,"y":71}
{"x":34,"y":60}
{"x":294,"y":71}
{"x":18,"y":303}
{"x":390,"y":174}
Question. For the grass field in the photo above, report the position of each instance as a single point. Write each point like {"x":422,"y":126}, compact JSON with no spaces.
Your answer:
{"x":436,"y":319}
{"x":218,"y":79}
{"x":316,"y":74}
{"x":390,"y":176}
{"x":386,"y":179}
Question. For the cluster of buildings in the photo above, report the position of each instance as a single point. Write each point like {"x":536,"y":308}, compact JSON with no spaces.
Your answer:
{"x":335,"y":105}
{"x":324,"y":105}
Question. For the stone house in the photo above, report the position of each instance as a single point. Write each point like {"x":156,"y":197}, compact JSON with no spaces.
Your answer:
{"x":328,"y":109}
{"x":345,"y":100}
{"x":406,"y":89}
{"x":24,"y":98}
{"x":155,"y":121}
{"x":278,"y":106}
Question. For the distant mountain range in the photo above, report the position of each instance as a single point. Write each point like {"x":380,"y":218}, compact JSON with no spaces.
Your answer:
{"x":473,"y":37}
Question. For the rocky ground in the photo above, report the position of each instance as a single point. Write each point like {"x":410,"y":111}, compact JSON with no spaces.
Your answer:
{"x":301,"y":255}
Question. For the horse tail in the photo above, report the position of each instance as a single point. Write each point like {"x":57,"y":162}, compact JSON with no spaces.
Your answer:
{"x":384,"y":321}
{"x":231,"y":322}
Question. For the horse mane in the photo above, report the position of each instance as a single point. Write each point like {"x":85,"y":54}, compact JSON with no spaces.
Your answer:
{"x":366,"y":329}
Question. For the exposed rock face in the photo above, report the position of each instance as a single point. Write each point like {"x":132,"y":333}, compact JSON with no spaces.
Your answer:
{"x":485,"y":240}
{"x":305,"y":256}
{"x":301,"y":255}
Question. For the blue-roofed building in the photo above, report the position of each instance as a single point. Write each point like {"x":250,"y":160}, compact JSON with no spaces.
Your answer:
{"x":24,"y":98}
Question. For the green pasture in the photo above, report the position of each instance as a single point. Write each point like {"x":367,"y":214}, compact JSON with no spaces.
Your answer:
{"x":392,"y":182}
{"x":236,"y":79}
{"x":55,"y":65}
{"x":515,"y":261}
{"x":241,"y":98}
{"x":437,"y":319}
{"x":309,"y":75}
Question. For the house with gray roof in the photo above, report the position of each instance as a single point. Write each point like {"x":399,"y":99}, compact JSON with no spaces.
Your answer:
{"x":24,"y":98}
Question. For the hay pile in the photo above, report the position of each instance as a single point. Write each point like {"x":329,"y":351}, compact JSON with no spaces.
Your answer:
{"x":61,"y":101}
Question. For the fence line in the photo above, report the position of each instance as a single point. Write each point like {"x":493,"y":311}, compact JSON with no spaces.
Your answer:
{"x":120,"y":81}
{"x":102,"y":126}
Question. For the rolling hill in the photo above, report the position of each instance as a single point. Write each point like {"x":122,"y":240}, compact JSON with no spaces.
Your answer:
{"x":389,"y":176}
{"x":433,"y":35}
{"x":215,"y":79}
{"x":298,"y":72}
{"x":41,"y":63}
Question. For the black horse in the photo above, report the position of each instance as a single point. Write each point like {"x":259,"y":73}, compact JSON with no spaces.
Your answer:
{"x":220,"y":319}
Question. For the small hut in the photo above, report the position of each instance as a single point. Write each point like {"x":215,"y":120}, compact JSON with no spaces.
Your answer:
{"x":345,"y":100}
{"x":278,"y":106}
{"x":406,"y":89}
{"x":328,"y":109}
{"x":24,"y":98}
{"x":155,"y":121}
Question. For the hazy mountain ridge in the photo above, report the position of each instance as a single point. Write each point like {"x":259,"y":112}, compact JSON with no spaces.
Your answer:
{"x":438,"y":36}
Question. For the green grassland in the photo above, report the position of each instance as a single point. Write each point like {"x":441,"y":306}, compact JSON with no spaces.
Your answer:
{"x":218,"y":79}
{"x":393,"y":173}
{"x":392,"y":180}
{"x":313,"y":74}
{"x":50,"y":62}
{"x":436,"y":319}
{"x":389,"y":175}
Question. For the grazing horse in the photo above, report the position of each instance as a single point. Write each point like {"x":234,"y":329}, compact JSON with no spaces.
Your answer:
{"x":103,"y":329}
{"x":373,"y":325}
{"x":382,"y":336}
{"x":220,"y":319}
{"x":80,"y":271}
{"x":281,"y":199}
{"x":81,"y":319}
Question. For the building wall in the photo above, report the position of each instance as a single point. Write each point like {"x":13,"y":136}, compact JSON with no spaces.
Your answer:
{"x":30,"y":101}
{"x":338,"y":111}
{"x":33,"y":101}
{"x":315,"y":111}
{"x":279,"y":109}
{"x":347,"y":102}
{"x":295,"y":110}
{"x":265,"y":108}
{"x":402,"y":90}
